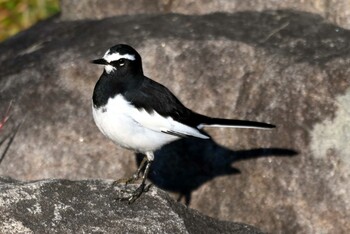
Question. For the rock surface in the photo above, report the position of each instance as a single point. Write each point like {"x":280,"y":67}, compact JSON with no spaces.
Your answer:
{"x":63,"y":206}
{"x":337,"y":12}
{"x":284,"y":67}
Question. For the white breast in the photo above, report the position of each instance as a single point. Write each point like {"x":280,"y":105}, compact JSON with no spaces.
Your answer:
{"x":118,"y":120}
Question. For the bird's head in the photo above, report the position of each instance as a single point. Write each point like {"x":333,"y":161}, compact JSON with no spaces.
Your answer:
{"x":122,"y":59}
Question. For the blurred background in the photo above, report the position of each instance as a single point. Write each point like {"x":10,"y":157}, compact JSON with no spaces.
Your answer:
{"x":16,"y":15}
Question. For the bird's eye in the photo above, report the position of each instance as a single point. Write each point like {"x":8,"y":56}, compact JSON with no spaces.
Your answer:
{"x":121,"y":62}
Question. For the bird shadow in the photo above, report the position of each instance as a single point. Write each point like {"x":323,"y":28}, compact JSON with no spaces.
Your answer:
{"x":186,"y":164}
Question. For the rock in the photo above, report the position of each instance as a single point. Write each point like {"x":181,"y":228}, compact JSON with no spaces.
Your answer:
{"x":64,"y":206}
{"x":336,"y":12}
{"x":285,"y":67}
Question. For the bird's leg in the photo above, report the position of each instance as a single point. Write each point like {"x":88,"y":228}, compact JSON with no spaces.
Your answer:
{"x":133,"y":195}
{"x":135,"y":176}
{"x":142,"y":187}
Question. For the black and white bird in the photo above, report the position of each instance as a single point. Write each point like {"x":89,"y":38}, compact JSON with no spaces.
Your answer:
{"x":140,"y":114}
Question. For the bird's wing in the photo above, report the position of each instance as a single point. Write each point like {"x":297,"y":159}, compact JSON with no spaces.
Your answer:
{"x":156,"y":122}
{"x":158,"y":109}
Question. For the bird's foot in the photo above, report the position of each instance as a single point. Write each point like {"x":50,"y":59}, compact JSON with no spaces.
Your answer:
{"x":133,"y":195}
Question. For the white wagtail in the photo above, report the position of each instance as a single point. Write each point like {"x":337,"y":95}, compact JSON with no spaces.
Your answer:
{"x":142,"y":115}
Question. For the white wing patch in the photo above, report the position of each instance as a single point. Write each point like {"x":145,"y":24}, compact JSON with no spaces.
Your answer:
{"x":156,"y":122}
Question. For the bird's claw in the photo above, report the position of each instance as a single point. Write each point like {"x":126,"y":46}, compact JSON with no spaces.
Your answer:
{"x":134,"y":194}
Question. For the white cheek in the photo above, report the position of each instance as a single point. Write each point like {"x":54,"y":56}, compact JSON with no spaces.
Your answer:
{"x":109,"y":68}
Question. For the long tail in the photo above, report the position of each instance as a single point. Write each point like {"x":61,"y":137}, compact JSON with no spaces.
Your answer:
{"x":232,"y":123}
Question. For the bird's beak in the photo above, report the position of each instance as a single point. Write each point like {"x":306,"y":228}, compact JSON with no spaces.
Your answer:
{"x":100,"y":61}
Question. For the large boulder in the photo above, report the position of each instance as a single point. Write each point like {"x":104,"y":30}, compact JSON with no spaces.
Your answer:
{"x":63,"y":206}
{"x":286,"y":67}
{"x":337,"y":12}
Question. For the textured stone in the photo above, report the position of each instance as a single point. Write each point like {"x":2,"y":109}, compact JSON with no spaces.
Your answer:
{"x":284,"y":67}
{"x":337,"y":12}
{"x":63,"y":206}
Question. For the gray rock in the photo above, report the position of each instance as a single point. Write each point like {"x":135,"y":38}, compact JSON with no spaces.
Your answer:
{"x":337,"y":12}
{"x":64,"y":206}
{"x":285,"y":67}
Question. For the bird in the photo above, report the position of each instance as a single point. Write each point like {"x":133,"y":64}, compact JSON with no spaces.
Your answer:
{"x":142,"y":115}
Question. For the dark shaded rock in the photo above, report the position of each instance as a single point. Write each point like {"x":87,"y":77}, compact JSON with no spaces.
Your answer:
{"x":334,"y":11}
{"x":286,"y":67}
{"x":63,"y":206}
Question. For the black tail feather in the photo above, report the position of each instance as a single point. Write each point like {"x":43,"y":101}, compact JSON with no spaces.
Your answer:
{"x":235,"y":123}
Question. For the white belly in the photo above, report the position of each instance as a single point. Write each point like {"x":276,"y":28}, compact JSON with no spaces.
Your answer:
{"x":116,"y":122}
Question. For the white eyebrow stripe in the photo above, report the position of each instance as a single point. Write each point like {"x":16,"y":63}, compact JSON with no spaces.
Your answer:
{"x":116,"y":56}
